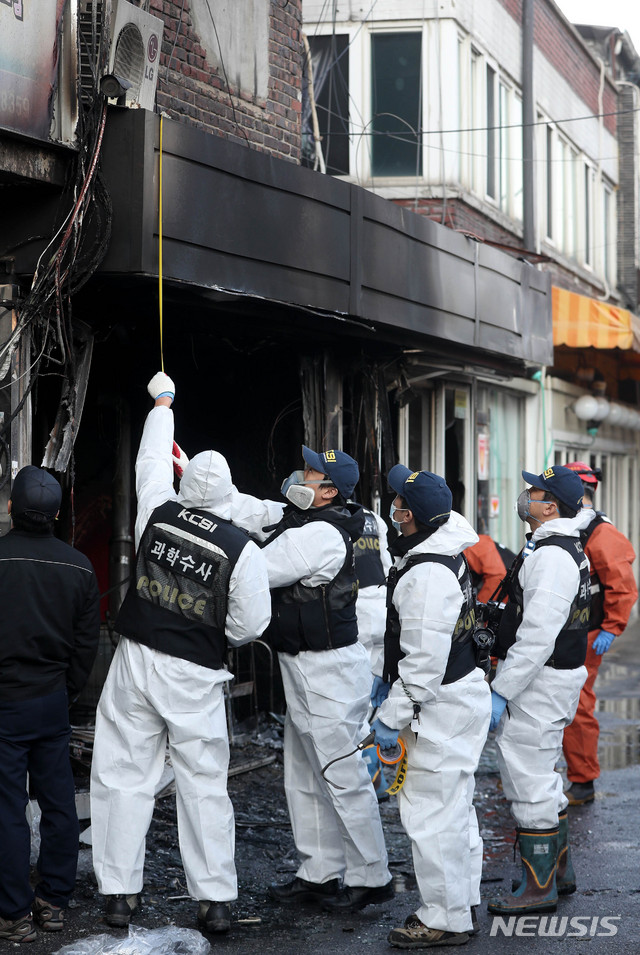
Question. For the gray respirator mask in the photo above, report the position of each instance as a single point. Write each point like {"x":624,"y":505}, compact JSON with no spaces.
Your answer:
{"x":297,"y":492}
{"x":522,"y":505}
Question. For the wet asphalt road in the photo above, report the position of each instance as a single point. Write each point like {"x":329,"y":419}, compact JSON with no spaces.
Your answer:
{"x":605,"y":840}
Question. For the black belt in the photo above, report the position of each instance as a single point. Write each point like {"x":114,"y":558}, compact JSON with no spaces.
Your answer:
{"x":561,"y":666}
{"x":336,"y":644}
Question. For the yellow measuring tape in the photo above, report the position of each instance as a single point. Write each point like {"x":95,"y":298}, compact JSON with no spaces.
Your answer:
{"x":401,"y":775}
{"x":400,"y":762}
{"x":160,"y":244}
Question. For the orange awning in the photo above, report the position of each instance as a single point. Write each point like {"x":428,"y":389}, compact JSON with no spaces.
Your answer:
{"x":583,"y":322}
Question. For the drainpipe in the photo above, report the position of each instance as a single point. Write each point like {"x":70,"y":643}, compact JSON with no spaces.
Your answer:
{"x":528,"y":119}
{"x":121,"y":544}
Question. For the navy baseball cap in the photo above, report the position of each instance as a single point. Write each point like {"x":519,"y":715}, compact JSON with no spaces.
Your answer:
{"x":35,"y":491}
{"x":341,"y":469}
{"x":562,"y":482}
{"x":426,"y":494}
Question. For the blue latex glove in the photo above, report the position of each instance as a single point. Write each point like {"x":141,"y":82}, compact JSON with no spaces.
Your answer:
{"x":498,"y":706}
{"x":386,"y":738}
{"x":603,"y":641}
{"x":379,"y":691}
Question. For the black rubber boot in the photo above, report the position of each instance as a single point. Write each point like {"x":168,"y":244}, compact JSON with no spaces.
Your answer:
{"x":565,"y":876}
{"x":214,"y":917}
{"x":352,"y":898}
{"x":119,"y":909}
{"x":579,"y":794}
{"x":537,"y":890}
{"x":299,"y":890}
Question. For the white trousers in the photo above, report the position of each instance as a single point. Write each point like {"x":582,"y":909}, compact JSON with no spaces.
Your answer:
{"x":337,"y":833}
{"x":436,"y":802}
{"x":149,"y":699}
{"x":529,"y":744}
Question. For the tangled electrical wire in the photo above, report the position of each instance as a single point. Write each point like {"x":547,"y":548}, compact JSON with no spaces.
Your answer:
{"x":44,"y":316}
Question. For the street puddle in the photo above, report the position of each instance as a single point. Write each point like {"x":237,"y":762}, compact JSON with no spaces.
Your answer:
{"x":619,"y":744}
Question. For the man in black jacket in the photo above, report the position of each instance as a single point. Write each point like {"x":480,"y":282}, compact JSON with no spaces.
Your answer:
{"x":48,"y":642}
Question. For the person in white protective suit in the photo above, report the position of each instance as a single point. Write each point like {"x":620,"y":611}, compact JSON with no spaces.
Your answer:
{"x":435,"y":697}
{"x":373,"y":561}
{"x":200,"y":583}
{"x":327,"y":682}
{"x":372,"y":566}
{"x":541,"y":647}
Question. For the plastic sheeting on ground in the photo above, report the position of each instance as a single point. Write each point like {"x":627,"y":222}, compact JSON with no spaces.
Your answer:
{"x":168,"y":940}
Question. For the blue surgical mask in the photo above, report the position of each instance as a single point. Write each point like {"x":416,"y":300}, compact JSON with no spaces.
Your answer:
{"x":392,"y":511}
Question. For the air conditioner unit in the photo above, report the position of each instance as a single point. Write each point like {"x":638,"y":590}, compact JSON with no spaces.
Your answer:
{"x":133,"y":53}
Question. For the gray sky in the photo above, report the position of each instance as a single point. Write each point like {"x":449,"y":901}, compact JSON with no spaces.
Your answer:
{"x":624,"y":14}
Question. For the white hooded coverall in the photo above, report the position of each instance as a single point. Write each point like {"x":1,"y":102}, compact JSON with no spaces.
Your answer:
{"x":371,"y":605}
{"x":445,"y":742}
{"x":151,"y":698}
{"x":338,"y":834}
{"x":541,"y":699}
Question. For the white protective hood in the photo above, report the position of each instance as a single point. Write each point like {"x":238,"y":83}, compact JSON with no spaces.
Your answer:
{"x":566,"y":526}
{"x":449,"y":540}
{"x":206,"y":483}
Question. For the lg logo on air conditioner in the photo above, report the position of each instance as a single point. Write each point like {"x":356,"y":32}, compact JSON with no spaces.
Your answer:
{"x":152,"y":52}
{"x":579,"y":926}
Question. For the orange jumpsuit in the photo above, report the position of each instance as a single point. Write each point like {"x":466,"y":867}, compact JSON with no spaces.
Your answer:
{"x":611,"y":556}
{"x":485,"y":561}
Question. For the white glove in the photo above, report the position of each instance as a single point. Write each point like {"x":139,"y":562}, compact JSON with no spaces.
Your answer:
{"x":180,"y":460}
{"x":161,"y":384}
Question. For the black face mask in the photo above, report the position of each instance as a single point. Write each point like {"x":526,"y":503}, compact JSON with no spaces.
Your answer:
{"x":401,"y":545}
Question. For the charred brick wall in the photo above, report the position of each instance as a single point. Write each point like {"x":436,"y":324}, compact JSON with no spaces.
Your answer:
{"x":193,"y":90}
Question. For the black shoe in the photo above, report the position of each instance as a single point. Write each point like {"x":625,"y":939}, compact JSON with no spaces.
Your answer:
{"x":412,"y":921}
{"x":18,"y":930}
{"x":417,"y":935}
{"x":214,"y":916}
{"x":119,"y":909}
{"x":49,"y":917}
{"x":580,"y":793}
{"x":302,"y":891}
{"x":352,"y":898}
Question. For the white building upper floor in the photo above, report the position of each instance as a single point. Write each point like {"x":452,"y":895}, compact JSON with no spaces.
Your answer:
{"x":422,"y":101}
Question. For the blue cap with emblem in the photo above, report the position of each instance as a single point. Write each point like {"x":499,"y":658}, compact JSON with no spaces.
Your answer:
{"x":341,"y":469}
{"x":425,"y":493}
{"x":562,"y":482}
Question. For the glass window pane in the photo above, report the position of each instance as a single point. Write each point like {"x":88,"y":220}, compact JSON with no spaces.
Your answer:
{"x":419,"y":438}
{"x":395,"y":98}
{"x":587,"y":215}
{"x":491,"y":132}
{"x":500,"y":442}
{"x":330,"y":65}
{"x":504,"y":148}
{"x":549,"y":182}
{"x":456,"y":412}
{"x":515,"y":167}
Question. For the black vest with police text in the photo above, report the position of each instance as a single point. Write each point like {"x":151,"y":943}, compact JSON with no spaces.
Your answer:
{"x":177,"y":602}
{"x":367,"y":553}
{"x":570,"y":648}
{"x":462,"y":658}
{"x":596,"y":616}
{"x":321,"y":617}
